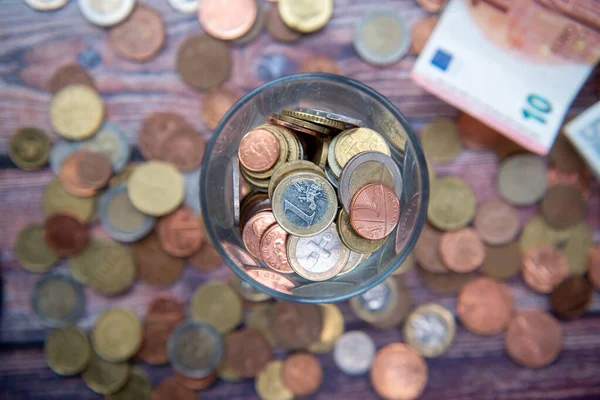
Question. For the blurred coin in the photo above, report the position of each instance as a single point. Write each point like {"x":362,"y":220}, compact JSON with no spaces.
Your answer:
{"x":111,"y":141}
{"x":84,"y":173}
{"x":367,"y":207}
{"x":257,"y":27}
{"x":504,"y":148}
{"x":196,"y":384}
{"x":156,"y":188}
{"x":462,"y":250}
{"x":140,"y":37}
{"x":171,"y":389}
{"x":381,"y":38}
{"x":485,"y":306}
{"x":137,"y":387}
{"x":425,"y":250}
{"x":65,"y":234}
{"x":273,"y":249}
{"x":184,"y":148}
{"x":247,"y":291}
{"x":191,"y":182}
{"x":564,"y":156}
{"x":302,"y":374}
{"x":544,"y":268}
{"x":57,"y":300}
{"x":207,"y":258}
{"x":155,"y":266}
{"x":46,"y":5}
{"x":306,"y":16}
{"x":421,"y":31}
{"x":227,"y":21}
{"x":247,"y":352}
{"x":354,"y":353}
{"x":203,"y":62}
{"x":259,"y":150}
{"x":396,"y":313}
{"x":533,"y":339}
{"x":216,"y":103}
{"x":70,"y":74}
{"x":398,"y":372}
{"x":496,"y":222}
{"x":571,"y":298}
{"x":452,"y":203}
{"x":32,"y":251}
{"x":522,"y":179}
{"x":185,"y":6}
{"x":313,"y":118}
{"x":357,"y":140}
{"x":349,"y":121}
{"x":217,"y":304}
{"x":155,"y":129}
{"x":475,"y":135}
{"x":333,"y":328}
{"x":254,"y":229}
{"x":576,"y":243}
{"x":195,"y":349}
{"x":76,"y":112}
{"x":163,"y":316}
{"x":121,"y":220}
{"x":431,"y":5}
{"x":502,"y":262}
{"x":278,"y":29}
{"x":407,"y":265}
{"x":537,"y":232}
{"x":67,"y":350}
{"x":321,"y":64}
{"x":579,"y":180}
{"x":374,"y":305}
{"x":180,"y":233}
{"x":296,"y":326}
{"x":448,"y":282}
{"x":430,"y":329}
{"x":104,"y":377}
{"x":117,"y":335}
{"x":563,"y":206}
{"x":59,"y":152}
{"x":440,"y":140}
{"x":430,"y":172}
{"x":594,"y":269}
{"x":269,"y":383}
{"x":258,"y":319}
{"x":29,"y":148}
{"x":105,"y":13}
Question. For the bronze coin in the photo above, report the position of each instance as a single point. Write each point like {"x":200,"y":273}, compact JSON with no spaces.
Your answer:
{"x":564,"y":156}
{"x":156,"y":128}
{"x":278,"y":29}
{"x":84,"y":172}
{"x":171,"y":389}
{"x":141,"y":36}
{"x":184,"y":148}
{"x":196,"y":384}
{"x":167,"y":309}
{"x":496,"y":222}
{"x":476,"y":135}
{"x":295,"y":326}
{"x":180,"y":233}
{"x":259,"y":150}
{"x":502,"y":262}
{"x":302,"y":374}
{"x":155,"y":266}
{"x":544,"y":268}
{"x":207,"y":259}
{"x":449,"y":282}
{"x":247,"y":352}
{"x":462,"y":250}
{"x":571,"y":298}
{"x":70,"y":74}
{"x":254,"y":229}
{"x":273,"y":249}
{"x":374,"y":211}
{"x":504,"y":147}
{"x":65,"y":234}
{"x":398,"y":372}
{"x":203,"y":62}
{"x":426,"y":250}
{"x":563,"y":206}
{"x":294,"y":127}
{"x":580,"y":180}
{"x":163,"y":316}
{"x":322,"y":64}
{"x":594,"y":268}
{"x":216,"y":103}
{"x":227,"y":20}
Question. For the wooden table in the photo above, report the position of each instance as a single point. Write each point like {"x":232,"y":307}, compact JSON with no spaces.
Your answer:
{"x":33,"y":44}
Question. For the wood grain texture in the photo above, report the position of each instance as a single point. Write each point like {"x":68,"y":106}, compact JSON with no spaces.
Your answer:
{"x":33,"y":44}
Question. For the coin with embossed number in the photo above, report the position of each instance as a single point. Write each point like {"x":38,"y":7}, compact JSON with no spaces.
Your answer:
{"x":195,"y":349}
{"x":430,"y":329}
{"x":57,"y":300}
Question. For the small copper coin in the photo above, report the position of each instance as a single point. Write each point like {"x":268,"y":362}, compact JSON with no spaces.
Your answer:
{"x":580,"y":180}
{"x":65,"y":234}
{"x":207,"y":258}
{"x":254,"y":229}
{"x":247,"y":352}
{"x":533,"y":339}
{"x":180,"y":233}
{"x":504,"y":261}
{"x":563,"y":206}
{"x":273,"y":249}
{"x":374,"y":211}
{"x":323,"y":64}
{"x":476,"y":135}
{"x":171,"y":389}
{"x":594,"y":267}
{"x":426,"y":250}
{"x":496,"y":222}
{"x":155,"y":129}
{"x":70,"y":74}
{"x":544,"y":268}
{"x":421,"y":32}
{"x":398,"y":372}
{"x":227,"y":20}
{"x":84,"y":172}
{"x":571,"y":298}
{"x":141,"y":36}
{"x":278,"y":29}
{"x":485,"y":306}
{"x":564,"y":156}
{"x":196,"y":384}
{"x":302,"y":374}
{"x":216,"y":103}
{"x":183,"y":148}
{"x":162,"y":317}
{"x":203,"y":62}
{"x":449,"y":282}
{"x":295,"y":326}
{"x":155,"y":266}
{"x":462,"y":250}
{"x":259,"y":150}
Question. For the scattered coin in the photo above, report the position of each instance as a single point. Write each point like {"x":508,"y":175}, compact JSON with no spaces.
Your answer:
{"x":32,"y":251}
{"x":398,"y":372}
{"x":522,"y":179}
{"x":67,"y":350}
{"x":333,"y":328}
{"x":430,"y":329}
{"x":196,"y":384}
{"x":533,"y":339}
{"x":421,"y":31}
{"x":502,"y":262}
{"x":76,"y":112}
{"x":485,"y":306}
{"x":544,"y":268}
{"x":278,"y":29}
{"x":258,"y":319}
{"x":185,"y":6}
{"x":257,"y":27}
{"x":425,"y":253}
{"x":564,"y":156}
{"x":120,"y":219}
{"x":171,"y":389}
{"x":247,"y":352}
{"x":296,"y":326}
{"x":60,"y":150}
{"x":320,"y":64}
{"x":496,"y":222}
{"x":440,"y":140}
{"x":576,"y":243}
{"x":137,"y":387}
{"x":217,"y":304}
{"x":156,"y":188}
{"x":112,"y":142}
{"x":195,"y":349}
{"x":374,"y":305}
{"x":57,"y":300}
{"x":163,"y":316}
{"x":116,"y":344}
{"x":65,"y":234}
{"x":155,"y":266}
{"x":451,"y":203}
{"x":448,"y":282}
{"x":57,"y":200}
{"x":431,"y":5}
{"x":302,"y":374}
{"x":155,"y":129}
{"x":104,"y":377}
{"x":140,"y":37}
{"x":594,"y":270}
{"x":354,"y":352}
{"x":475,"y":135}
{"x":104,"y":13}
{"x":571,"y":298}
{"x":462,"y":250}
{"x":70,"y":74}
{"x":29,"y":148}
{"x":203,"y":62}
{"x":269,"y":383}
{"x":306,"y":16}
{"x":249,"y":293}
{"x":84,"y":173}
{"x":381,"y":38}
{"x":46,"y":5}
{"x":180,"y":233}
{"x":207,"y":258}
{"x":374,"y":211}
{"x":216,"y":103}
{"x":563,"y":206}
{"x":579,"y":180}
{"x":227,"y":21}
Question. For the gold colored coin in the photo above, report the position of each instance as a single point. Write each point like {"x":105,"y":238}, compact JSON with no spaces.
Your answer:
{"x":218,"y":304}
{"x":32,"y":250}
{"x":156,"y":188}
{"x":440,"y":140}
{"x":322,"y":153}
{"x":292,"y":142}
{"x":538,"y":232}
{"x":315,"y":119}
{"x":269,"y":384}
{"x":122,"y":178}
{"x":260,"y":184}
{"x":357,"y":140}
{"x":334,"y":167}
{"x":57,"y":200}
{"x":104,"y":377}
{"x":333,"y":327}
{"x":258,"y":319}
{"x":452,"y":204}
{"x":67,"y":350}
{"x":29,"y":148}
{"x":138,"y":387}
{"x":227,"y":373}
{"x":293,"y":166}
{"x":283,"y":155}
{"x":353,"y":240}
{"x":117,"y":335}
{"x":76,"y":112}
{"x":306,"y":16}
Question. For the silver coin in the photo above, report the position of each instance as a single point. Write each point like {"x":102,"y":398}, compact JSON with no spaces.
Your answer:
{"x":110,"y":140}
{"x":382,"y":38}
{"x":106,"y":12}
{"x":120,"y":219}
{"x":319,"y":257}
{"x":354,"y":352}
{"x":522,"y":179}
{"x":235,"y":172}
{"x":430,"y":329}
{"x":59,"y":152}
{"x":353,"y":261}
{"x":375,"y":305}
{"x":368,"y":167}
{"x":332,"y":163}
{"x":191,"y":182}
{"x":330,"y":177}
{"x":377,"y":298}
{"x":57,"y":300}
{"x":257,"y":27}
{"x":195,"y":349}
{"x":185,"y":6}
{"x":333,"y":116}
{"x":46,"y":5}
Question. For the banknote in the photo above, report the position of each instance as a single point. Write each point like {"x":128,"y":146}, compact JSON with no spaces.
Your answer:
{"x":584,"y":133}
{"x":516,"y":65}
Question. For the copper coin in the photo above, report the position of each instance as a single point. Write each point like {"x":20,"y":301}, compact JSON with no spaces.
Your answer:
{"x":426,"y":250}
{"x":155,"y":266}
{"x":302,"y":374}
{"x":476,"y":135}
{"x":398,"y":372}
{"x":258,"y":150}
{"x":141,"y":36}
{"x":295,"y":326}
{"x":247,"y":352}
{"x":203,"y":62}
{"x":180,"y":233}
{"x":374,"y":211}
{"x":462,"y":250}
{"x":216,"y":103}
{"x":278,"y":29}
{"x":273,"y":249}
{"x":171,"y":389}
{"x":449,"y":282}
{"x":162,"y":317}
{"x":580,"y":180}
{"x":294,"y":127}
{"x":563,"y":206}
{"x":496,"y":222}
{"x":272,"y":280}
{"x":323,"y":64}
{"x":196,"y":384}
{"x":533,"y":339}
{"x":544,"y":268}
{"x":504,"y":261}
{"x":165,"y":309}
{"x":70,"y":74}
{"x":504,"y":147}
{"x":485,"y":306}
{"x":421,"y":32}
{"x":432,"y":5}
{"x":155,"y":129}
{"x":594,"y":268}
{"x":207,"y":258}
{"x":65,"y":234}
{"x":227,"y":20}
{"x":183,"y":148}
{"x":254,"y":229}
{"x":84,"y":172}
{"x":564,"y":156}
{"x":571,"y":298}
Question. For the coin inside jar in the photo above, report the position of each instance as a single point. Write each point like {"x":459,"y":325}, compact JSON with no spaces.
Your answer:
{"x":430,"y":329}
{"x":273,"y":249}
{"x":357,"y":140}
{"x":254,"y":229}
{"x":259,"y":150}
{"x":374,"y":211}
